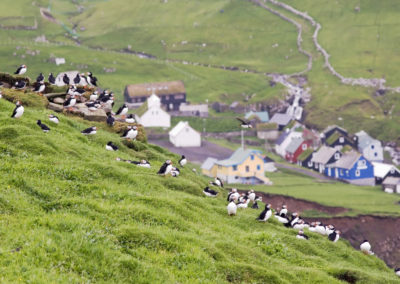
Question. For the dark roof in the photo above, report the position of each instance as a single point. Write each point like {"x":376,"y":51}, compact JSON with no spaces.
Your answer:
{"x":157,"y":88}
{"x":331,"y":139}
{"x":282,"y":137}
{"x":331,"y":127}
{"x":347,"y":161}
{"x":268,"y":160}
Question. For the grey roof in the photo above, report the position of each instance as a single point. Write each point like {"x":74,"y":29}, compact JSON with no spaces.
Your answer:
{"x":281,"y":118}
{"x":294,"y":145}
{"x":208,"y":163}
{"x":347,"y":161}
{"x":323,"y":155}
{"x":282,"y":138}
{"x":238,"y":157}
{"x":330,"y":127}
{"x":364,"y":140}
{"x":391,"y":180}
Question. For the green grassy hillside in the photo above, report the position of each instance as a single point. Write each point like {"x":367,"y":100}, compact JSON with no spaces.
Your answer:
{"x":71,"y":213}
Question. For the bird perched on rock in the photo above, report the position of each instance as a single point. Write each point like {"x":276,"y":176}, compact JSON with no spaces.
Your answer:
{"x":40,"y":87}
{"x":244,"y":123}
{"x":93,"y":106}
{"x":111,"y":147}
{"x":91,"y":79}
{"x":365,"y":247}
{"x":166,"y":168}
{"x":217,"y":182}
{"x":94,"y":96}
{"x":110,"y":119}
{"x":130,"y":133}
{"x":19,"y":85}
{"x":89,"y":131}
{"x":77,"y":79}
{"x":232,"y":208}
{"x":182,"y":161}
{"x":21,"y":70}
{"x":44,"y":127}
{"x":266,"y":214}
{"x":130,"y":118}
{"x":18,"y":110}
{"x":334,"y":236}
{"x":52,"y":79}
{"x":66,"y":79}
{"x":40,"y":78}
{"x":69,"y":103}
{"x":122,"y":110}
{"x":54,"y":118}
{"x":209,"y":192}
{"x":301,"y":235}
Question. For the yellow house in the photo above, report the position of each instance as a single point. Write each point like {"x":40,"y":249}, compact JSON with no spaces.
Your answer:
{"x":244,"y":166}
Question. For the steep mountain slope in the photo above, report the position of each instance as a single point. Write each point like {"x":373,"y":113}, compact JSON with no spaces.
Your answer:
{"x":71,"y":213}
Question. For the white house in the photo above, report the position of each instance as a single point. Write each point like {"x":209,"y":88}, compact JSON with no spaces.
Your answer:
{"x":284,"y":140}
{"x":150,"y":114}
{"x":182,"y":135}
{"x":369,"y":147}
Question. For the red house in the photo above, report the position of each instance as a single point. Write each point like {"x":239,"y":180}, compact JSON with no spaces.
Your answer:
{"x":295,"y":148}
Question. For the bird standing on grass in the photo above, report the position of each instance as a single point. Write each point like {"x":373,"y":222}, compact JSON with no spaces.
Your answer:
{"x":21,"y":70}
{"x":40,"y":78}
{"x":130,"y":133}
{"x":301,"y":235}
{"x":397,"y":271}
{"x":183,"y":161}
{"x":40,"y":87}
{"x":166,"y":168}
{"x":130,"y":119}
{"x":122,"y":111}
{"x":334,"y":236}
{"x":111,"y":147}
{"x":217,"y":182}
{"x":18,"y":110}
{"x":89,"y":131}
{"x":54,"y":118}
{"x":110,"y":119}
{"x":44,"y":127}
{"x":209,"y":192}
{"x":365,"y":247}
{"x":266,"y":214}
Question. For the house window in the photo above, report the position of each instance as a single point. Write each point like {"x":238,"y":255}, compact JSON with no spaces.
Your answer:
{"x":247,"y":169}
{"x":358,"y":173}
{"x":310,"y":164}
{"x":304,"y":146}
{"x":372,"y":146}
{"x":341,"y":172}
{"x":362,"y":164}
{"x":341,"y":140}
{"x":252,"y":157}
{"x":376,"y":154}
{"x":234,"y":168}
{"x":337,"y":156}
{"x":258,"y":167}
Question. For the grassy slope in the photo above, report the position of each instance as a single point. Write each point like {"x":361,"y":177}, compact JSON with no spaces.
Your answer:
{"x":71,"y":213}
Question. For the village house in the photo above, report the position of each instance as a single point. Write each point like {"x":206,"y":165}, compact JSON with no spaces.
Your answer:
{"x":267,"y":131}
{"x":338,"y":140}
{"x":353,"y":168}
{"x":281,"y":119}
{"x":244,"y":166}
{"x":284,"y":140}
{"x":172,"y":94}
{"x":150,"y":114}
{"x":182,"y":135}
{"x":323,"y":156}
{"x":391,"y":185}
{"x":200,"y":110}
{"x":208,"y":166}
{"x":304,"y":159}
{"x":382,"y":171}
{"x":327,"y":132}
{"x":369,"y":147}
{"x":295,"y":148}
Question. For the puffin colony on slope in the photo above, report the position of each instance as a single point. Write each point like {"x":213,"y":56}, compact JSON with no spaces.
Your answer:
{"x":18,"y":110}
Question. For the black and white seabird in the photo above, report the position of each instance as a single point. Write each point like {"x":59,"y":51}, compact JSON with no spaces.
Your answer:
{"x":217,"y":182}
{"x":266,"y":214}
{"x":183,"y":161}
{"x":94,"y":96}
{"x":130,"y":133}
{"x":397,"y":271}
{"x":365,"y":247}
{"x":18,"y":110}
{"x":40,"y":87}
{"x":244,"y":123}
{"x":89,"y":131}
{"x":130,"y":118}
{"x":54,"y":118}
{"x":122,"y":110}
{"x":243,"y":203}
{"x":251,"y":195}
{"x":283,"y":211}
{"x":70,"y":102}
{"x":143,"y":163}
{"x":233,"y":195}
{"x":334,"y":236}
{"x":255,"y":205}
{"x":232,"y":208}
{"x":77,"y":79}
{"x":52,"y":79}
{"x":320,"y":228}
{"x":175,"y":172}
{"x":40,"y":78}
{"x":209,"y":192}
{"x":21,"y":70}
{"x":93,"y":106}
{"x":19,"y":85}
{"x":91,"y":79}
{"x":111,"y":147}
{"x":110,"y":119}
{"x":301,"y":235}
{"x":166,"y":168}
{"x":66,"y":79}
{"x":44,"y":127}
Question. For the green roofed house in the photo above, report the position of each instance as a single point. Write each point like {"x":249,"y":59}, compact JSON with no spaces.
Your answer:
{"x":244,"y":166}
{"x":304,"y":160}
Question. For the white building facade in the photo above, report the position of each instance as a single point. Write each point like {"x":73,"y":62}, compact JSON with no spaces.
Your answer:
{"x":182,"y":135}
{"x":154,"y":115}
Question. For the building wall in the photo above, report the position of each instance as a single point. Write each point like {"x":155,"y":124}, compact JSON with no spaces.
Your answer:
{"x":361,"y":170}
{"x":169,"y":101}
{"x":187,"y":137}
{"x":373,"y":152}
{"x":155,"y":117}
{"x":269,"y":135}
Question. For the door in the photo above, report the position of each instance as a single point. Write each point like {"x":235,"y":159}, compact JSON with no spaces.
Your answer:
{"x":336,"y":173}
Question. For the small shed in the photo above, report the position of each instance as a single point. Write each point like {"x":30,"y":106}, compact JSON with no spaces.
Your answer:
{"x":382,"y":171}
{"x":200,"y":110}
{"x":182,"y":135}
{"x":391,"y":185}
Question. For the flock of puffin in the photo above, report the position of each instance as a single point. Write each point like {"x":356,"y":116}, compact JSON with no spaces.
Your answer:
{"x":235,"y":199}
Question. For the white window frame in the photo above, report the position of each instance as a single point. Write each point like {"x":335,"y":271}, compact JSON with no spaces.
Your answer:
{"x":358,"y":173}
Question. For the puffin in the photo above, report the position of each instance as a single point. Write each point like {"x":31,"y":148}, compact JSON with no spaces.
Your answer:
{"x":93,"y":106}
{"x":301,"y":235}
{"x":233,"y":195}
{"x":91,"y":79}
{"x":66,"y":79}
{"x":282,"y":219}
{"x":130,"y":118}
{"x":21,"y":70}
{"x":77,"y":79}
{"x":232,"y":208}
{"x":89,"y":131}
{"x":183,"y":161}
{"x":122,"y":110}
{"x":266,"y":214}
{"x":70,"y":102}
{"x":365,"y":247}
{"x":334,"y":236}
{"x":244,"y":123}
{"x":130,"y":133}
{"x":329,"y":229}
{"x":255,"y":205}
{"x":142,"y":163}
{"x":217,"y":182}
{"x":175,"y":172}
{"x":166,"y":168}
{"x":40,"y":78}
{"x":19,"y":85}
{"x":40,"y":87}
{"x":397,"y":271}
{"x":44,"y":127}
{"x":110,"y":119}
{"x":320,"y":228}
{"x":94,"y":96}
{"x":52,"y":79}
{"x":54,"y":118}
{"x":299,"y":225}
{"x":312,"y":227}
{"x":283,"y":211}
{"x":111,"y":147}
{"x":295,"y":218}
{"x":209,"y":192}
{"x":244,"y":203}
{"x":18,"y":110}
{"x":251,"y":195}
